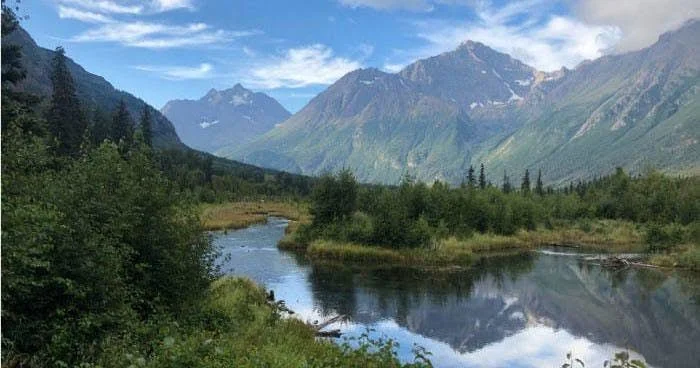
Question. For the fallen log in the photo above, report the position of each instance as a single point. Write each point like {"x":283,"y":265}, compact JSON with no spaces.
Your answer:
{"x":331,"y":333}
{"x":619,"y":262}
{"x":340,"y":317}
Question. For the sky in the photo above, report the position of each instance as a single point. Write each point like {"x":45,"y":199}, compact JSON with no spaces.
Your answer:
{"x":161,"y":50}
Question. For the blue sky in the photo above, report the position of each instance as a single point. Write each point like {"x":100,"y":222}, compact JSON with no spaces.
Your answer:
{"x":166,"y":49}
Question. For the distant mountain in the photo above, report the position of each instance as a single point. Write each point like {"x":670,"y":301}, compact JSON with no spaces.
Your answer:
{"x":93,"y":90}
{"x":224,"y":119}
{"x":636,"y":110}
{"x":440,"y":115}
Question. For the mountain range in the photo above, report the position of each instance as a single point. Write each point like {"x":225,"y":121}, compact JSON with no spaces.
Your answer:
{"x":474,"y":105}
{"x":226,"y":118}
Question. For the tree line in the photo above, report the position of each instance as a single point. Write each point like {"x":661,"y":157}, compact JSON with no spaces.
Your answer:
{"x":413,"y":213}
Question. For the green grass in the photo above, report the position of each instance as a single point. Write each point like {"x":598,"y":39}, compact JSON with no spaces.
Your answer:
{"x":349,"y":252}
{"x":236,"y":327}
{"x":291,"y":239}
{"x":685,"y":256}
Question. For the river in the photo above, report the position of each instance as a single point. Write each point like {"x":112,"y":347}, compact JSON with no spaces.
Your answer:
{"x":520,"y":310}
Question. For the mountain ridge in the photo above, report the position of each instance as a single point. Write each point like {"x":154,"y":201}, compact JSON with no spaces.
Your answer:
{"x":439,"y":115}
{"x":94,"y":91}
{"x":224,"y":118}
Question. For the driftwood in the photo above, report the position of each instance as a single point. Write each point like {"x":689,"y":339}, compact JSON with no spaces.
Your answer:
{"x":621,"y":262}
{"x":278,"y":305}
{"x":563,"y":245}
{"x":332,"y":333}
{"x":281,"y":306}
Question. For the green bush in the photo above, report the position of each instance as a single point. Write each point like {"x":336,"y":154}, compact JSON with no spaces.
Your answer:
{"x":664,"y":237}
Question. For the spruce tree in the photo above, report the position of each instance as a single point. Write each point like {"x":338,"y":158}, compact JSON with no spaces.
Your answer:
{"x":506,"y":183}
{"x":12,"y":70}
{"x":471,"y":179}
{"x":147,"y":126}
{"x":525,"y":186}
{"x":101,"y":127}
{"x":539,"y":188}
{"x":482,"y":177}
{"x":122,"y":125}
{"x":65,"y":118}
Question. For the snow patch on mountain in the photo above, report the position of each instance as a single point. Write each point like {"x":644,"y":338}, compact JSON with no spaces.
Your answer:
{"x":207,"y":124}
{"x":237,"y":100}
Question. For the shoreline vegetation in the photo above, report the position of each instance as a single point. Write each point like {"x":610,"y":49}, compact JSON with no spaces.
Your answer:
{"x":239,"y":215}
{"x":597,"y":235}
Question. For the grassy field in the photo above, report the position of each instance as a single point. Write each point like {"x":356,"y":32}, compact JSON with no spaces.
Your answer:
{"x":237,"y":215}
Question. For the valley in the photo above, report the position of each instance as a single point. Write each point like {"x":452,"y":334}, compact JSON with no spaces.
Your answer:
{"x":406,"y":198}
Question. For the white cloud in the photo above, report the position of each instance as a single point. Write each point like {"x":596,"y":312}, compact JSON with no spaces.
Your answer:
{"x":300,"y":67}
{"x":203,"y":71}
{"x":641,"y":21}
{"x":106,"y":6}
{"x":159,"y":36}
{"x":522,"y":29}
{"x":411,"y":5}
{"x":166,"y":5}
{"x":65,"y":12}
{"x":129,"y":6}
{"x":393,"y":68}
{"x":248,"y":51}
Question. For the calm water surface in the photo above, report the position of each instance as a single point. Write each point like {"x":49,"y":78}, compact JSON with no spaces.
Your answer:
{"x":525,"y":310}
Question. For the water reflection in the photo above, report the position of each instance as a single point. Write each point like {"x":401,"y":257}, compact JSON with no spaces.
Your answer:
{"x":524,"y":310}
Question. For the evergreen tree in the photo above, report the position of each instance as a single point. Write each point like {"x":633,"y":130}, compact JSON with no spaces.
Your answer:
{"x":12,"y":70}
{"x":147,"y":126}
{"x":122,"y":125}
{"x":208,"y":166}
{"x":506,"y":183}
{"x":525,"y":186}
{"x":65,"y":118}
{"x":482,"y":177}
{"x":101,"y":127}
{"x":471,"y":179}
{"x":539,"y":188}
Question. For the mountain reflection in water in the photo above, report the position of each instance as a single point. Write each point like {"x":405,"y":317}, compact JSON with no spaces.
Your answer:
{"x":522,"y":310}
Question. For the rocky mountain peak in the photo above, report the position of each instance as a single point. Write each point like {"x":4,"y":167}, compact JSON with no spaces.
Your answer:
{"x":222,"y":118}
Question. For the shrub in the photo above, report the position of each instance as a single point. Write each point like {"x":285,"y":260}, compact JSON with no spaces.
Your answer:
{"x":664,"y":237}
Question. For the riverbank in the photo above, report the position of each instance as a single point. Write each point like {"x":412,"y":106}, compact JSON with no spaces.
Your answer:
{"x":686,"y":256}
{"x":237,"y":325}
{"x":239,"y":215}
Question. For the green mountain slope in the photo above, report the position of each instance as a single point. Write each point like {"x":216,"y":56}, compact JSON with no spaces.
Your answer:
{"x":635,"y":110}
{"x":474,"y":105}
